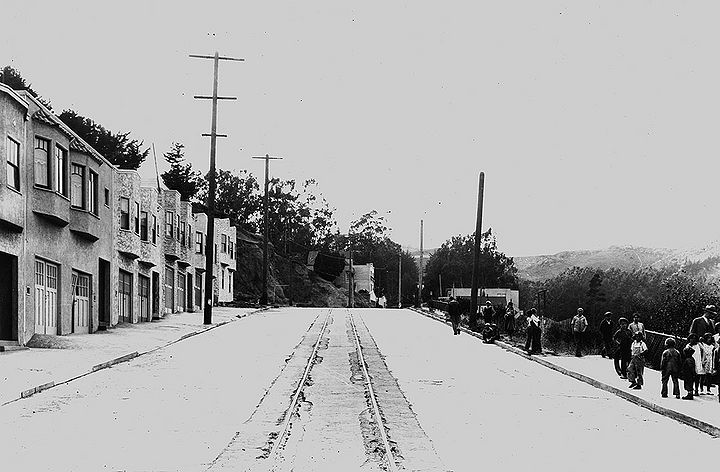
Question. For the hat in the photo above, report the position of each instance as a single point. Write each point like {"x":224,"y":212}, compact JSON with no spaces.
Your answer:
{"x":580,"y":310}
{"x":622,"y":320}
{"x":711,"y":309}
{"x":670,"y":342}
{"x":608,"y":313}
{"x":488,"y":302}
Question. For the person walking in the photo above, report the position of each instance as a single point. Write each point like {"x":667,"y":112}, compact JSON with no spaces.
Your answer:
{"x":454,"y":314}
{"x":670,"y":365}
{"x":707,"y":354}
{"x":636,"y":326}
{"x":606,"y":331}
{"x":703,"y":324}
{"x":535,"y":332}
{"x":623,"y":354}
{"x":579,"y":325}
{"x":637,"y":363}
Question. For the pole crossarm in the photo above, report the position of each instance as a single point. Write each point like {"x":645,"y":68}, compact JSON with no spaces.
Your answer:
{"x":216,"y":135}
{"x":220,"y":58}
{"x":210,"y":97}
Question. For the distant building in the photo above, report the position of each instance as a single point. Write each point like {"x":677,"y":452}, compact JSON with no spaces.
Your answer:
{"x":364,"y":278}
{"x":497,"y":296}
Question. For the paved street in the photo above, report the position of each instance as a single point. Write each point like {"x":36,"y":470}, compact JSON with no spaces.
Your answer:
{"x":219,"y":401}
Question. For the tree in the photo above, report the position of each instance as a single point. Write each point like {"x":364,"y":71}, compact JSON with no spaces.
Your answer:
{"x":454,"y":260}
{"x":12,"y":78}
{"x":181,"y":176}
{"x":236,"y":198}
{"x":117,"y":148}
{"x":595,"y":294}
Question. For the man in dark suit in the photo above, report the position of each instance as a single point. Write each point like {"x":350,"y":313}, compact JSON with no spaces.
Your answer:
{"x":704,"y":324}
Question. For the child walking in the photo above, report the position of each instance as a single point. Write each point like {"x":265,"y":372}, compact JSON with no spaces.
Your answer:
{"x":637,"y":362}
{"x":670,"y":365}
{"x":693,"y":342}
{"x":688,"y":372}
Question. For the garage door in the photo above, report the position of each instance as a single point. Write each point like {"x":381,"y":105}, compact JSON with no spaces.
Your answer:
{"x":81,"y":303}
{"x":46,"y":283}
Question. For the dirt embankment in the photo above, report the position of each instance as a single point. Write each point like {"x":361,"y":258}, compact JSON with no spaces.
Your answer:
{"x":289,"y":281}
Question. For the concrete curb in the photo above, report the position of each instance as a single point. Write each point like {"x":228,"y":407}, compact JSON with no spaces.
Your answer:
{"x":127,"y":357}
{"x":707,"y":428}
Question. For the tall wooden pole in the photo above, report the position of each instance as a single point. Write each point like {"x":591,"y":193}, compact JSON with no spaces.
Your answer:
{"x":210,"y":236}
{"x":264,"y":294}
{"x":400,"y":280}
{"x":476,"y":255}
{"x":420,"y":277}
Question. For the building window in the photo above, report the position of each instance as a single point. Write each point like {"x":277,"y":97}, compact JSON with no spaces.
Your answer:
{"x":92,"y":192}
{"x":215,"y":259}
{"x":182,"y":233}
{"x":77,"y":176}
{"x":60,"y":170}
{"x":154,"y":230}
{"x":223,"y":243}
{"x":198,"y":242}
{"x":42,"y":162}
{"x":107,"y":197}
{"x":222,"y":285}
{"x":13,"y":164}
{"x":169,"y":218}
{"x":144,"y":226}
{"x":177,"y":227}
{"x":189,"y":236}
{"x":124,"y":213}
{"x":232,"y":250}
{"x":137,"y":218}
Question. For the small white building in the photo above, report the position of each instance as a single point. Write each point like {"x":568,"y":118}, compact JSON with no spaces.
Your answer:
{"x":497,"y":296}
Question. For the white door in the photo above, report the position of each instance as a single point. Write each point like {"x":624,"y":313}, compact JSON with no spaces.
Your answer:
{"x":46,"y":281}
{"x":81,"y":303}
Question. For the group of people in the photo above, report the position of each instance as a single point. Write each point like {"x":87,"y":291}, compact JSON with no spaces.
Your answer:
{"x":698,"y":365}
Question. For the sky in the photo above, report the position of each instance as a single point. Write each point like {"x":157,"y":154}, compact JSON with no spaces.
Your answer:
{"x":595,"y":123}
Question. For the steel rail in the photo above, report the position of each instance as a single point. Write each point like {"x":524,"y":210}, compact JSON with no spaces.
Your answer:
{"x":298,"y":390}
{"x":381,"y":426}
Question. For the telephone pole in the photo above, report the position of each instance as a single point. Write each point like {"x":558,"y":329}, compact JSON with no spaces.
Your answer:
{"x":476,"y":255}
{"x":420,"y":285}
{"x":400,"y":279}
{"x":210,"y":237}
{"x":263,"y":295}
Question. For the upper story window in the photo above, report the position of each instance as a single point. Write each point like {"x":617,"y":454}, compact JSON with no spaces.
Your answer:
{"x":13,"y":164}
{"x":177,"y":227}
{"x":137,"y":218}
{"x":189,"y":236}
{"x":182,"y":233}
{"x":77,"y":194}
{"x":144,"y":226}
{"x":198,"y":242}
{"x":92,"y":192}
{"x":232,"y":250}
{"x":107,"y":197}
{"x":60,"y":170}
{"x":41,"y":157}
{"x":154,"y":230}
{"x":169,"y":219}
{"x":223,"y":243}
{"x":124,"y":213}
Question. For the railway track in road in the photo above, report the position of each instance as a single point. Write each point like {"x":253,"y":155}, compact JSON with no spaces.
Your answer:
{"x":334,"y":405}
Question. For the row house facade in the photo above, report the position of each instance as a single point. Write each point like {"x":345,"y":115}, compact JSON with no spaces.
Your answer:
{"x":86,"y":246}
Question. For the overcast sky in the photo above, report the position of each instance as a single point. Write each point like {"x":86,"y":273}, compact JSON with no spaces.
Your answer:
{"x":596,"y":124}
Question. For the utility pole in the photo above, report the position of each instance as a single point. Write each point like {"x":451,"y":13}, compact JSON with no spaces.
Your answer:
{"x":476,"y":255}
{"x":210,"y":237}
{"x":440,"y":284}
{"x":400,"y":279}
{"x":351,"y":276}
{"x":263,"y":295}
{"x":420,"y":284}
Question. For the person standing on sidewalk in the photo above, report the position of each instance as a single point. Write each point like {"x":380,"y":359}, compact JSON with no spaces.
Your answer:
{"x":532,"y":344}
{"x":510,"y":319}
{"x":454,"y":313}
{"x":579,"y":325}
{"x":707,"y":355}
{"x":637,"y":363}
{"x":670,"y":364}
{"x":488,"y":312}
{"x":688,"y":372}
{"x":623,"y":341}
{"x":606,"y":331}
{"x":636,"y":326}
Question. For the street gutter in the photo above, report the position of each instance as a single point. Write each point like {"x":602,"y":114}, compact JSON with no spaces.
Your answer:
{"x":125,"y":358}
{"x":707,"y":428}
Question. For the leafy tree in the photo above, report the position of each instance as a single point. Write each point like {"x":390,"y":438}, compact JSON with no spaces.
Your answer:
{"x":236,"y":198}
{"x":595,"y":294}
{"x":117,"y":148}
{"x":454,"y":262}
{"x":181,"y":176}
{"x":12,"y":78}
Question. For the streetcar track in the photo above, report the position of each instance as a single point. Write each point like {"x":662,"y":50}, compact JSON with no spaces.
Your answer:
{"x":392,"y":466}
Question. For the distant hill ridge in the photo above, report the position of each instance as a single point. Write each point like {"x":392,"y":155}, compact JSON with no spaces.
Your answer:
{"x":621,"y":257}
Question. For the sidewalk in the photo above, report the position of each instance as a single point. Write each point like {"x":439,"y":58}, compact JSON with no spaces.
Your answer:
{"x":702,"y":413}
{"x":64,"y":358}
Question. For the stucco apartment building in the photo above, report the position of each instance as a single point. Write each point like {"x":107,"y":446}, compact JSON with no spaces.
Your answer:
{"x":84,"y":245}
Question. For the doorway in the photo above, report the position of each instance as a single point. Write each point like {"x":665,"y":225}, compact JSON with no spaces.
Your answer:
{"x":8,"y":297}
{"x":104,"y":294}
